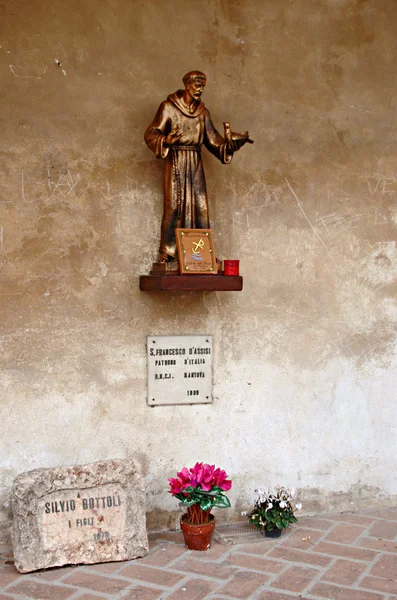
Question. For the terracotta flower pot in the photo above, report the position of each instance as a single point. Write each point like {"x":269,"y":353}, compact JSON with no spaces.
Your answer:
{"x":198,"y":537}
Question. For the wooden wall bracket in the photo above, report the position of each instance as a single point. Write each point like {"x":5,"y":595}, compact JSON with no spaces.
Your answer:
{"x":190,"y":283}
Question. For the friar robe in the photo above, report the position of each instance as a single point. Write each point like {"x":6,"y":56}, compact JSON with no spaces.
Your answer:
{"x":185,"y":192}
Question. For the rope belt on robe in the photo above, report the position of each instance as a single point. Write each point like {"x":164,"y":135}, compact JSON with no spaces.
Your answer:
{"x":175,"y":150}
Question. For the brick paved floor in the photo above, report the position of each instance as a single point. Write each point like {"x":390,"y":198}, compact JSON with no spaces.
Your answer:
{"x":331,"y":557}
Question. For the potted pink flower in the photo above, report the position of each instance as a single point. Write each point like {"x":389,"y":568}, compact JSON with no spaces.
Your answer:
{"x":199,"y":489}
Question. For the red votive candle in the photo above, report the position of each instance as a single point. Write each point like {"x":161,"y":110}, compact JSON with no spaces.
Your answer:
{"x":231,"y":267}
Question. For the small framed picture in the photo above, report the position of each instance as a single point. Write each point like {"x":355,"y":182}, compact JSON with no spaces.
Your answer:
{"x":196,"y":251}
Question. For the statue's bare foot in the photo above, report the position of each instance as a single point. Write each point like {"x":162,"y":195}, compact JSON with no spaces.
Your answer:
{"x":163,"y":258}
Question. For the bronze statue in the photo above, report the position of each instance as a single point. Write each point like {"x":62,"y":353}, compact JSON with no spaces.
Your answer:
{"x":179,"y":129}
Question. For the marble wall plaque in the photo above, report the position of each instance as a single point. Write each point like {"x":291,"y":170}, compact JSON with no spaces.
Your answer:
{"x":79,"y":514}
{"x":179,"y":369}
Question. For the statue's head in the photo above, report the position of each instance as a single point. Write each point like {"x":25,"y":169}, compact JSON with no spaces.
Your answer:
{"x":194,"y":82}
{"x":193,"y":76}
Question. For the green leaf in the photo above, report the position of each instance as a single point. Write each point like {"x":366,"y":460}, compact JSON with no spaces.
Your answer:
{"x":270,"y":517}
{"x":256,"y":523}
{"x":188,"y":502}
{"x":206,"y":504}
{"x":221,"y":501}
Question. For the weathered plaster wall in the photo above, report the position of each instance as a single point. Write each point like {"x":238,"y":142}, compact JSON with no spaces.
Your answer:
{"x":305,"y":364}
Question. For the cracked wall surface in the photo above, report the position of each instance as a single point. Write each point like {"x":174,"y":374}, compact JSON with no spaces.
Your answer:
{"x":305,"y":360}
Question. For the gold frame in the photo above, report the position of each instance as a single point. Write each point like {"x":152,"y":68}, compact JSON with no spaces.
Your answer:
{"x":198,"y":259}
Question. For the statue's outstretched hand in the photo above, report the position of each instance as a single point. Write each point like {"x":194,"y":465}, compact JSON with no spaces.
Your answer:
{"x":235,"y":140}
{"x":173,"y":137}
{"x":235,"y":145}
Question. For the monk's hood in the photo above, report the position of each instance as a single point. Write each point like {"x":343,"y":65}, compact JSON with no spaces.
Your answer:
{"x":176,"y":98}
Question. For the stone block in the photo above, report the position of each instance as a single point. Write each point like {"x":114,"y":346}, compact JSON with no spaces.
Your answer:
{"x":79,"y":515}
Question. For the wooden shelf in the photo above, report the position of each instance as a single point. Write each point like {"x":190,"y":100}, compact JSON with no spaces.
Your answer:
{"x":190,"y":283}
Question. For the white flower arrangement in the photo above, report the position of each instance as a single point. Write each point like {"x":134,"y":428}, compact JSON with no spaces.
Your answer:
{"x":273,"y":510}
